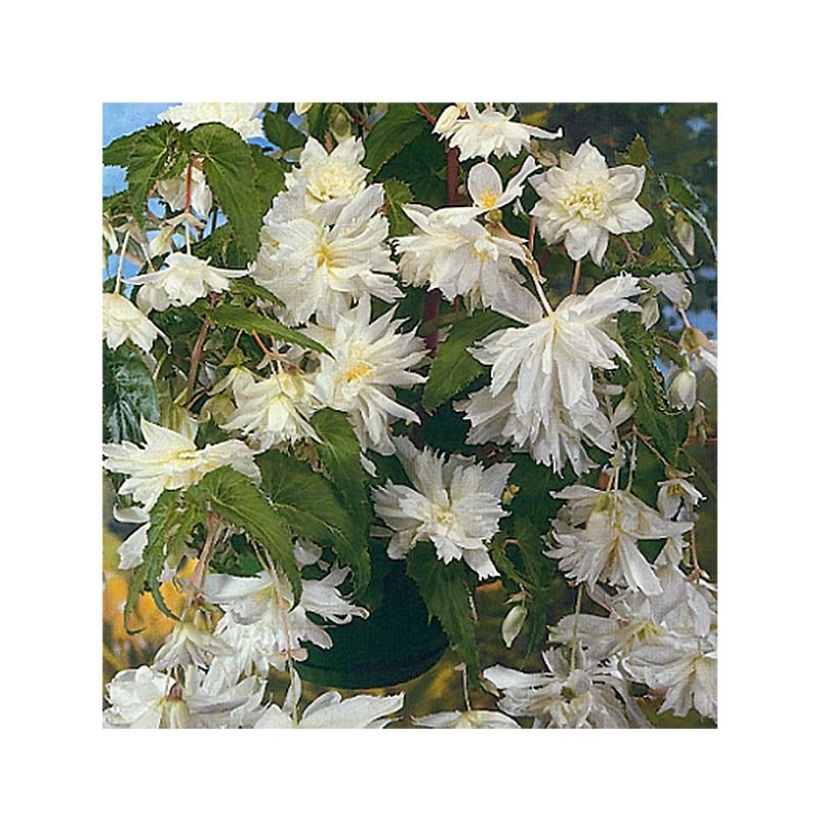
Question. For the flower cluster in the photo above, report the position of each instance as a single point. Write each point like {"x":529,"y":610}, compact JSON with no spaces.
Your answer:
{"x":341,"y":363}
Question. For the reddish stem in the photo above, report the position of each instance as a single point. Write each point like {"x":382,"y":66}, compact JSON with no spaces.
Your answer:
{"x":426,"y":113}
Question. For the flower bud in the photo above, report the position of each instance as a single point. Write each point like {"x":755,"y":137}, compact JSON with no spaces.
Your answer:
{"x":624,"y":411}
{"x":683,"y":390}
{"x":340,"y":122}
{"x":447,"y":119}
{"x":650,"y":312}
{"x":684,"y":233}
{"x":511,"y":627}
{"x":301,"y":108}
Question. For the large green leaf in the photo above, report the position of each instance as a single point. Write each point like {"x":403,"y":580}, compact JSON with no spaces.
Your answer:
{"x":398,"y":193}
{"x":281,"y":133}
{"x":164,"y":515}
{"x":241,"y":318}
{"x":269,"y":178}
{"x":654,"y":417}
{"x":228,"y":163}
{"x":238,"y":501}
{"x":340,"y":455}
{"x":398,"y":127}
{"x":447,"y":596}
{"x":154,"y":153}
{"x":453,"y":367}
{"x":311,"y":506}
{"x":129,"y":394}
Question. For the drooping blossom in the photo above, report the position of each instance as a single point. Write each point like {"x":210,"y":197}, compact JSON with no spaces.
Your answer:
{"x":170,"y":461}
{"x":124,"y":321}
{"x":454,"y":502}
{"x":241,"y":117}
{"x":486,"y":132}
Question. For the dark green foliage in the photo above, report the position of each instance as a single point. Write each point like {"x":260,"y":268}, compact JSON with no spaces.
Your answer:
{"x":396,"y":194}
{"x":310,"y":505}
{"x":654,"y":418}
{"x":280,"y":132}
{"x":339,"y":454}
{"x":235,"y":499}
{"x":129,"y":394}
{"x":154,"y":153}
{"x":243,"y":319}
{"x":398,"y":127}
{"x":446,"y":593}
{"x":454,"y":368}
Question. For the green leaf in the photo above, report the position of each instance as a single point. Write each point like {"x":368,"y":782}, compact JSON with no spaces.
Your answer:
{"x":281,"y":133}
{"x":340,"y":456}
{"x":398,"y":193}
{"x":148,"y":155}
{"x":447,"y":596}
{"x":422,"y":164}
{"x":241,"y":318}
{"x":309,"y":503}
{"x":653,"y":415}
{"x":689,"y":202}
{"x":146,"y":576}
{"x":636,"y":153}
{"x":269,"y":178}
{"x":129,"y":394}
{"x":453,"y":367}
{"x":245,"y":286}
{"x":398,"y":127}
{"x":234,"y":498}
{"x":535,"y":484}
{"x":230,"y":171}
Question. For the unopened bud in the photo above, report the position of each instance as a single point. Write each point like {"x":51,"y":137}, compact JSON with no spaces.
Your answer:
{"x":683,"y":390}
{"x":684,"y":233}
{"x":692,"y":340}
{"x":513,"y":623}
{"x":340,"y":122}
{"x":624,"y":411}
{"x":447,"y":119}
{"x":301,"y":108}
{"x":685,"y":299}
{"x":650,"y":312}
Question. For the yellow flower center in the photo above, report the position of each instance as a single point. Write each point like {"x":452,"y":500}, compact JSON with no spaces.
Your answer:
{"x":358,"y":371}
{"x":587,"y":202}
{"x":488,"y":198}
{"x":324,"y":256}
{"x":444,"y":516}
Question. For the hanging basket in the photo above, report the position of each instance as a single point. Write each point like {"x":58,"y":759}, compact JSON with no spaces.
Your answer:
{"x":396,"y":643}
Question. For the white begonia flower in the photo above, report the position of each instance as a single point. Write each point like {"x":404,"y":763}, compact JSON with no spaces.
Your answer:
{"x":674,"y":493}
{"x":685,"y":669}
{"x":589,"y":696}
{"x":452,"y":252}
{"x":541,"y":390}
{"x":671,"y":285}
{"x":367,"y":362}
{"x":274,"y":410}
{"x":582,"y":202}
{"x":146,"y":699}
{"x":170,"y":461}
{"x":487,"y":190}
{"x":187,"y":645}
{"x":488,"y":132}
{"x":455,"y":503}
{"x":241,"y":117}
{"x":123,"y":320}
{"x":335,"y":177}
{"x":173,"y":192}
{"x":474,"y":719}
{"x":185,"y":279}
{"x":329,"y":711}
{"x":683,"y":390}
{"x":318,"y":269}
{"x":606,"y":547}
{"x":262,"y":624}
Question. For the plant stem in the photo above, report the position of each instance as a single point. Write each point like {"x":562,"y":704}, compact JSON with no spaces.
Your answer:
{"x":426,"y":113}
{"x":573,"y":651}
{"x":196,"y":355}
{"x":576,"y":277}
